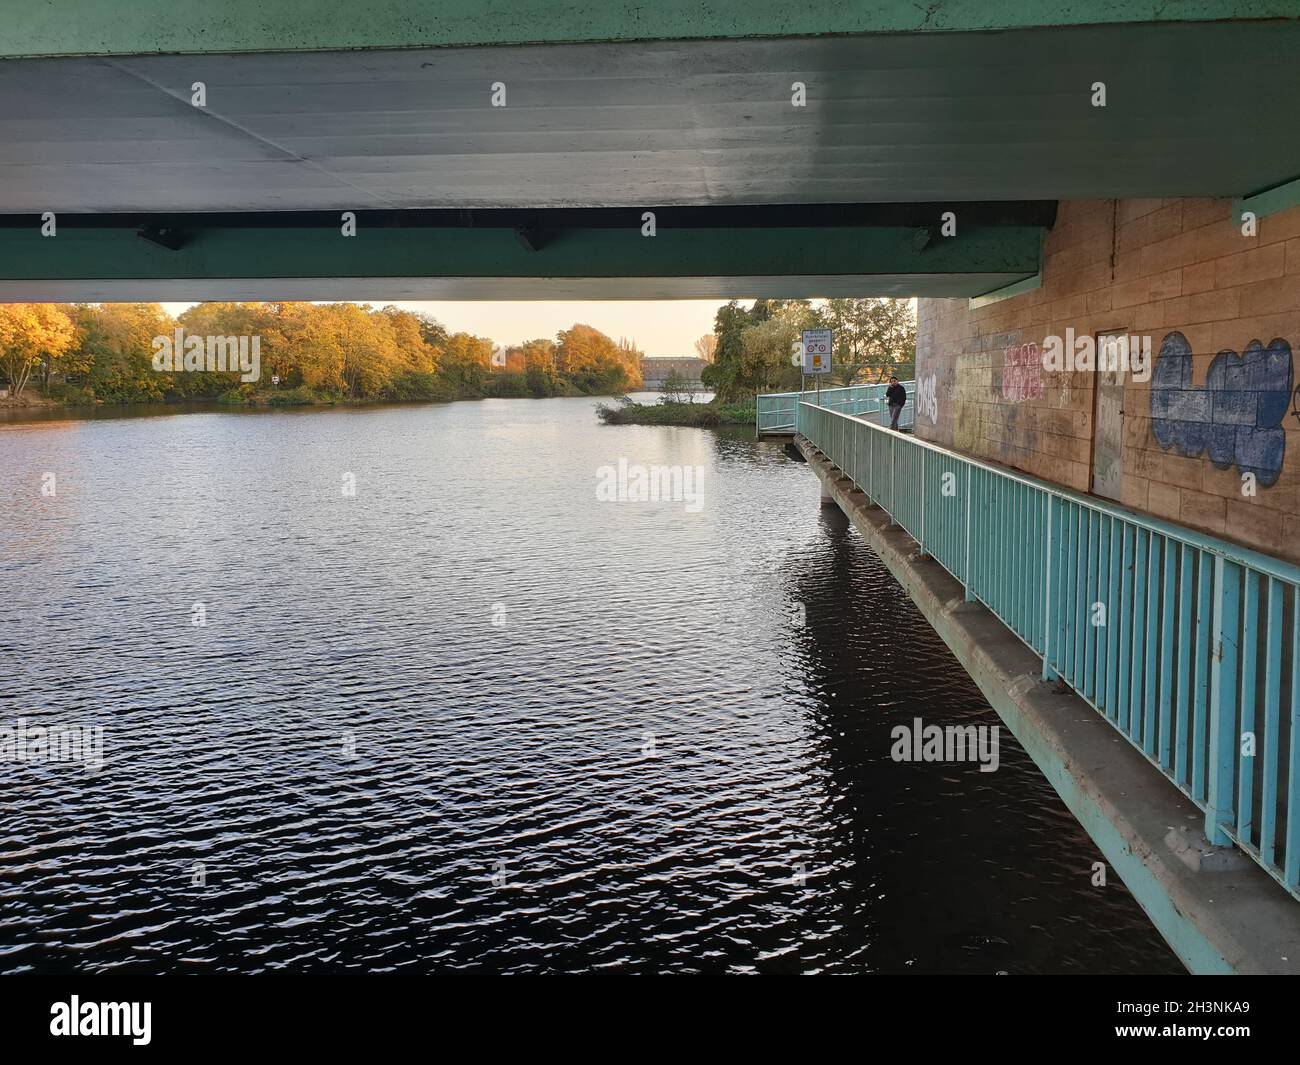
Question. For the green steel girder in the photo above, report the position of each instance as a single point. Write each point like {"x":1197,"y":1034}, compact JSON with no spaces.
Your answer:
{"x":142,"y":27}
{"x":975,"y":261}
{"x":1270,"y":201}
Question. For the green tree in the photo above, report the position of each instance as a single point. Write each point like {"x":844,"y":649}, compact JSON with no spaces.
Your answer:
{"x":432,"y":331}
{"x":116,"y":340}
{"x":875,"y":337}
{"x":723,"y":376}
{"x":766,"y":360}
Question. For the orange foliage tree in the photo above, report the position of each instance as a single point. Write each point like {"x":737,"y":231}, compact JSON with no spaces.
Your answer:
{"x":31,"y":333}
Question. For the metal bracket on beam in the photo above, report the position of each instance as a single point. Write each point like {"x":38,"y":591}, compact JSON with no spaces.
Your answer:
{"x":924,"y":239}
{"x":1270,"y":201}
{"x":534,"y":239}
{"x":163,"y":237}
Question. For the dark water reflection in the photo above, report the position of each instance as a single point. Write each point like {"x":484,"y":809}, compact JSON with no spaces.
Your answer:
{"x":473,"y":719}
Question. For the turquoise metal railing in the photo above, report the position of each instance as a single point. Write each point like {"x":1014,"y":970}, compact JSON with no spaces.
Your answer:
{"x":1188,"y":645}
{"x":776,"y":410}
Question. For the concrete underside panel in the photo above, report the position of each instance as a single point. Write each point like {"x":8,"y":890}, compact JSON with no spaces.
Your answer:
{"x":1218,"y":911}
{"x":889,"y":118}
{"x":91,"y":27}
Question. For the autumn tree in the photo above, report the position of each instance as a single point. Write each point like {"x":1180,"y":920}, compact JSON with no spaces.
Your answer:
{"x":536,"y":359}
{"x":417,"y":354}
{"x":31,"y":333}
{"x":316,"y":350}
{"x":595,"y":363}
{"x":371,"y":357}
{"x":630,"y":356}
{"x":536,"y":355}
{"x":223,"y":320}
{"x":465,"y":364}
{"x":705,"y":346}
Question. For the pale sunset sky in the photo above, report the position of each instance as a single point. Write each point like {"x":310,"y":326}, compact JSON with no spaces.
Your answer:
{"x":659,"y":327}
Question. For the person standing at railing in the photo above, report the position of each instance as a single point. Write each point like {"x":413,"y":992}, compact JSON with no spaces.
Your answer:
{"x":896,"y":397}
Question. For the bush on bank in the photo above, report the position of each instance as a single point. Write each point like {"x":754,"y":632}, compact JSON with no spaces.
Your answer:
{"x":697,"y":415}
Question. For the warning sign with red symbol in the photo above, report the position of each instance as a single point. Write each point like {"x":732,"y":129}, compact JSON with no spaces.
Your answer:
{"x":817,"y":344}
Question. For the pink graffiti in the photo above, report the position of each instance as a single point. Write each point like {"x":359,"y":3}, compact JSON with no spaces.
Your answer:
{"x":1022,"y":373}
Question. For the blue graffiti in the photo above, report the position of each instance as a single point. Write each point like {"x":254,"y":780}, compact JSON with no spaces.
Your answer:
{"x":1236,"y":418}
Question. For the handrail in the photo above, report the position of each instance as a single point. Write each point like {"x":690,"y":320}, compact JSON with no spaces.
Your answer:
{"x":1184,"y":642}
{"x":774,"y":412}
{"x":1238,"y":553}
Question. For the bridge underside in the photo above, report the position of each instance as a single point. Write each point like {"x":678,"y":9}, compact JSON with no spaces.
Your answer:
{"x":940,"y":119}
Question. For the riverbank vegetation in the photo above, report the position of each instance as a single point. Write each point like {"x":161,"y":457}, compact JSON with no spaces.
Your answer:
{"x":750,"y":352}
{"x":308,"y":354}
{"x":676,"y":406}
{"x":698,"y":415}
{"x":874,"y":339}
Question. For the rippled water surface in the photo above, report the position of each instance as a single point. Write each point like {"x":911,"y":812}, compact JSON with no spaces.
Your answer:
{"x":473,"y":719}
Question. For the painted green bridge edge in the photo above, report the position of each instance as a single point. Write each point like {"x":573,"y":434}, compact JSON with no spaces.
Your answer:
{"x":324,"y":252}
{"x":142,"y":27}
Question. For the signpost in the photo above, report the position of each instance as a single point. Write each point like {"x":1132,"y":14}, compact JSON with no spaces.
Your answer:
{"x":817,"y":346}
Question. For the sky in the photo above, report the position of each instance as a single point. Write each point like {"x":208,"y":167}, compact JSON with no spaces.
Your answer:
{"x":659,"y":327}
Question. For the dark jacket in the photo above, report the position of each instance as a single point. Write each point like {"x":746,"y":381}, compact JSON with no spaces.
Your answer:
{"x":896,"y":396}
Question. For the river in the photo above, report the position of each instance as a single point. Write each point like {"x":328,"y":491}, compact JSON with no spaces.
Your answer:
{"x":472,"y":717}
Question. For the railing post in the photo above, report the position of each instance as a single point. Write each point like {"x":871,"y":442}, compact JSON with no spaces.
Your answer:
{"x":1223,"y":703}
{"x":924,"y":485}
{"x":970,"y":595}
{"x":1048,"y":672}
{"x":892,"y":466}
{"x":871,"y":468}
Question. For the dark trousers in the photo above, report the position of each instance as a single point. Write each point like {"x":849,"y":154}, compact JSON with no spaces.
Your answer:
{"x":895,"y":409}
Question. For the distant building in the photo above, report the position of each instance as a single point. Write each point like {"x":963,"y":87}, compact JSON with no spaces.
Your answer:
{"x":656,"y":370}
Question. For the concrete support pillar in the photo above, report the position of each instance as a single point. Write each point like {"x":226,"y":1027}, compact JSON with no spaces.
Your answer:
{"x":828,"y":500}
